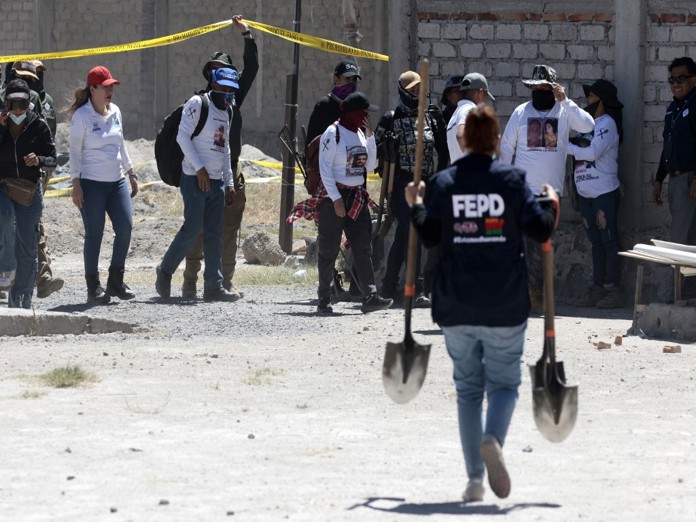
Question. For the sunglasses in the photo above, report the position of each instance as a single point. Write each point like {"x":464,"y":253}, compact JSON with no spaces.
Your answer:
{"x":679,"y":79}
{"x":13,"y":105}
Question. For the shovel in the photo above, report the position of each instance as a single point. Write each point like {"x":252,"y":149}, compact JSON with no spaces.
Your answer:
{"x":555,"y":402}
{"x":406,"y":363}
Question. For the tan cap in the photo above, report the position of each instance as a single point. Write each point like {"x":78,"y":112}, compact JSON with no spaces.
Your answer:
{"x":409,"y":79}
{"x":25,"y":70}
{"x":39,"y":65}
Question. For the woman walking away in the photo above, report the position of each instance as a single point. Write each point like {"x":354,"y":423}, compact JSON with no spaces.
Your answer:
{"x":26,"y":146}
{"x":476,"y":213}
{"x":599,"y":193}
{"x":97,"y":154}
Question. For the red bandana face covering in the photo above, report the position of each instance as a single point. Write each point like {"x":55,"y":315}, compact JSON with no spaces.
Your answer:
{"x":353,"y":120}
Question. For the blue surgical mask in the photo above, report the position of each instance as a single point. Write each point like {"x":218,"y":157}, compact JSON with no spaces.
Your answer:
{"x":18,"y":119}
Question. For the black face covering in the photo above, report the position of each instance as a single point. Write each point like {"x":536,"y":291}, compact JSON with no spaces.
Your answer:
{"x":592,"y":108}
{"x":543,"y":100}
{"x":37,"y":85}
{"x":407,"y":100}
{"x":222,"y":100}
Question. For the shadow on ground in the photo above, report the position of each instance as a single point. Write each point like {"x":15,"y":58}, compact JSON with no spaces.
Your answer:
{"x":448,"y":508}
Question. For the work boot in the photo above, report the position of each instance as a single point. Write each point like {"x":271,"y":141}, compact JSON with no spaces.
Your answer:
{"x":374,"y":302}
{"x":593,"y":295}
{"x":163,"y":283}
{"x":188,"y":290}
{"x":115,"y":285}
{"x":95,"y":291}
{"x":227,"y":285}
{"x":220,"y":295}
{"x":52,"y":285}
{"x":613,"y":299}
{"x":324,"y":306}
{"x":421,"y":301}
{"x":492,"y":455}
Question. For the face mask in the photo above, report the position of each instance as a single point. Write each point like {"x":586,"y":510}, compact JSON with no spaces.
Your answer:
{"x":18,"y":119}
{"x":592,"y":108}
{"x":222,"y":99}
{"x":342,"y":91}
{"x":543,"y":100}
{"x":408,"y":100}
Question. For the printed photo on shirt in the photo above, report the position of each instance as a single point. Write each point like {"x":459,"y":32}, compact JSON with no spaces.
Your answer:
{"x":219,"y":137}
{"x":356,"y":161}
{"x":542,"y":133}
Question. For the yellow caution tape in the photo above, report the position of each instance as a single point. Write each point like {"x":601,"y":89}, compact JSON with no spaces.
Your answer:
{"x":316,"y":42}
{"x":58,"y":180}
{"x":304,"y":39}
{"x":120,"y":48}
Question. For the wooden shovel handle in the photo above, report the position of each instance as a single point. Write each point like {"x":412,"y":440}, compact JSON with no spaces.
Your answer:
{"x":410,"y":287}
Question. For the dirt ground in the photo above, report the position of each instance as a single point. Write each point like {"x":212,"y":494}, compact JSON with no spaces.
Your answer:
{"x":260,"y":410}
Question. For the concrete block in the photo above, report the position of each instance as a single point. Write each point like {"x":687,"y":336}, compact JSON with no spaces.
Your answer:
{"x":684,"y":33}
{"x":443,"y":50}
{"x":503,"y":50}
{"x":665,"y":95}
{"x":471,"y":50}
{"x":525,"y":51}
{"x":454,"y":31}
{"x":657,"y":33}
{"x":482,"y":32}
{"x":500,"y":87}
{"x":592,"y":33}
{"x":429,"y":30}
{"x":609,"y":72}
{"x":98,"y":325}
{"x":509,"y":32}
{"x":590,"y":71}
{"x":480,"y":66}
{"x":507,"y":70}
{"x":16,"y":322}
{"x":565,"y":71}
{"x":564,"y":32}
{"x":552,"y":51}
{"x":656,"y":73}
{"x":652,"y":153}
{"x":535,"y":31}
{"x":667,"y":321}
{"x":669,"y":53}
{"x":605,"y":53}
{"x":505,"y":108}
{"x":424,"y":48}
{"x":581,"y":52}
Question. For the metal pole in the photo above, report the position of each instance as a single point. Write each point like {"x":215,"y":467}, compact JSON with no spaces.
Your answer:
{"x":287,"y":191}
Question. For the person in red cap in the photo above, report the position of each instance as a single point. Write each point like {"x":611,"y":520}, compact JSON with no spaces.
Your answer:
{"x":98,"y":157}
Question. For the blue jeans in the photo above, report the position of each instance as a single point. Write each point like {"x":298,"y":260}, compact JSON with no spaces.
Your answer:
{"x":202,"y":210}
{"x":102,"y":198}
{"x":19,"y":246}
{"x":486,"y":359}
{"x":599,"y":215}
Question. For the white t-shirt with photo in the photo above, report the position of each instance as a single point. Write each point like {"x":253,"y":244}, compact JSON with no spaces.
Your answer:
{"x":457,"y":119}
{"x":597,"y":166}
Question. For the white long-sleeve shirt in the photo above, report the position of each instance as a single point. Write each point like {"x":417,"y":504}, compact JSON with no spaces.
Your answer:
{"x":346,"y":162}
{"x":97,"y":148}
{"x":457,"y":119}
{"x":211,"y":148}
{"x":538,"y":140}
{"x":597,"y":166}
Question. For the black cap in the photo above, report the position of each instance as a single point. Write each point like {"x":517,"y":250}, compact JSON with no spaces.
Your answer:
{"x":453,"y":81}
{"x":17,"y":89}
{"x":606,"y":91}
{"x":357,"y":101}
{"x":348,"y":69}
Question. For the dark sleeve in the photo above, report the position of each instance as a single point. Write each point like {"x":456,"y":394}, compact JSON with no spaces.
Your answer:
{"x":46,"y":148}
{"x":440,"y":135}
{"x":429,"y":229}
{"x":541,"y":226}
{"x":251,"y":67}
{"x":661,"y":173}
{"x":317,"y":120}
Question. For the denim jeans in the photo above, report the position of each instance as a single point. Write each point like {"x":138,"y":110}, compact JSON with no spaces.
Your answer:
{"x":486,"y":359}
{"x":19,"y":242}
{"x":599,"y":215}
{"x":683,"y":210}
{"x":102,"y":198}
{"x":202,"y":210}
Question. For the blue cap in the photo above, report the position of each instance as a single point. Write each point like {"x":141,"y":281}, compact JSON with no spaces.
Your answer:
{"x":225,"y":76}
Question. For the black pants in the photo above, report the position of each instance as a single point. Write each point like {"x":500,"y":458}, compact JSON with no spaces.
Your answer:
{"x":358,"y":232}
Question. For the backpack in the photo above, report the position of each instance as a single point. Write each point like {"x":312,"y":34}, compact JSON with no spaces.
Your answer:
{"x":168,"y":154}
{"x":312,"y":175}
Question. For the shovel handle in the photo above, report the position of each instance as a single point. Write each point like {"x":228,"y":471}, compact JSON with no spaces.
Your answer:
{"x":549,"y":309}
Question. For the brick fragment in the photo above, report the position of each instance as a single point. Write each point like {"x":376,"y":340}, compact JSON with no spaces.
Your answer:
{"x":672,"y":349}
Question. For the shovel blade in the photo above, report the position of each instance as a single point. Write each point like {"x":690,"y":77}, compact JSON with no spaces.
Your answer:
{"x":404,"y":369}
{"x":555,"y":402}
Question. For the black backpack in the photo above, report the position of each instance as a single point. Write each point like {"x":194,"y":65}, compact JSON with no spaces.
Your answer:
{"x":168,"y":154}
{"x":312,"y":175}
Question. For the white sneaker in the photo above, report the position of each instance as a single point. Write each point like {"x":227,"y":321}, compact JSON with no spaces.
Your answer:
{"x":492,"y":455}
{"x":474,"y":491}
{"x":6,"y":280}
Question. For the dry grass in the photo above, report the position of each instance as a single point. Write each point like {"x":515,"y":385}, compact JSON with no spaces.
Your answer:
{"x":68,"y":377}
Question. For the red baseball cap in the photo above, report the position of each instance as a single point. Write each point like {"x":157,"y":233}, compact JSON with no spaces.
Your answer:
{"x":100,"y":75}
